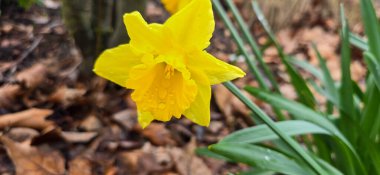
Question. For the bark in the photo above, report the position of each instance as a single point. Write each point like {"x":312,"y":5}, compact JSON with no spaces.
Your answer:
{"x":96,"y":25}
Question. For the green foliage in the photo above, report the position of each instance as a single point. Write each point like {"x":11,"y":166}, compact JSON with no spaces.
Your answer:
{"x":344,"y":142}
{"x":26,"y":4}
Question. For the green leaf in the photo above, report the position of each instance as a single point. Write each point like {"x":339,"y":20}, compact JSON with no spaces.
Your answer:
{"x":346,"y":90}
{"x":373,"y":66}
{"x":257,"y":171}
{"x":263,"y":158}
{"x":303,"y":92}
{"x":261,"y":133}
{"x":306,"y":66}
{"x":371,"y":115}
{"x":371,"y":26}
{"x":328,"y":82}
{"x":358,"y":42}
{"x":302,"y":112}
{"x":269,"y":122}
{"x":203,"y":151}
{"x":252,"y":44}
{"x":239,"y":41}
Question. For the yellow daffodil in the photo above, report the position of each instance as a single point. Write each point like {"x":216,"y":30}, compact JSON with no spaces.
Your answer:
{"x":166,"y":65}
{"x":175,"y":5}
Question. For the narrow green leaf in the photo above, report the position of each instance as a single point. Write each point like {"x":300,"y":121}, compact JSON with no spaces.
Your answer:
{"x":371,"y":112}
{"x":261,"y":133}
{"x":203,"y":151}
{"x":263,"y":158}
{"x":306,"y":66}
{"x":358,"y":92}
{"x":328,"y":82}
{"x":358,"y":42}
{"x":346,"y":89}
{"x":239,"y":41}
{"x":303,"y":92}
{"x":257,"y":171}
{"x":252,"y":44}
{"x":371,"y":26}
{"x":373,"y":66}
{"x":302,"y":112}
{"x":268,"y":121}
{"x":329,"y":168}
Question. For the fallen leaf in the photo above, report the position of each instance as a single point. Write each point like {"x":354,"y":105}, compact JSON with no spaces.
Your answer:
{"x":22,"y":134}
{"x":78,"y":137}
{"x":80,"y":166}
{"x":31,"y":118}
{"x":126,"y":118}
{"x":91,"y":123}
{"x":229,"y":104}
{"x":31,"y":78}
{"x":32,"y":161}
{"x":186,"y":162}
{"x":67,"y":96}
{"x":158,"y":134}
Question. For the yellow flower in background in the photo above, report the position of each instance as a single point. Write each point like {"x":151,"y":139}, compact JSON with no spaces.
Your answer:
{"x":166,"y":65}
{"x":174,"y":5}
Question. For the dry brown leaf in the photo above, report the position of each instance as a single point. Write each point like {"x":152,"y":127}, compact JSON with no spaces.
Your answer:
{"x":67,"y":96}
{"x":158,"y":134}
{"x":32,"y":161}
{"x":22,"y":134}
{"x":186,"y":162}
{"x":31,"y":118}
{"x":126,"y":118}
{"x":91,"y":123}
{"x":31,"y":77}
{"x":229,"y":104}
{"x":80,"y":166}
{"x":78,"y":137}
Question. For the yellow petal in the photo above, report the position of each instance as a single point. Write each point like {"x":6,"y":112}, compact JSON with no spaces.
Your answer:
{"x":171,"y":5}
{"x":199,"y":111}
{"x":145,"y":118}
{"x":174,"y":5}
{"x":114,"y":64}
{"x":192,"y":26}
{"x":216,"y":70}
{"x":161,"y":91}
{"x":147,"y":38}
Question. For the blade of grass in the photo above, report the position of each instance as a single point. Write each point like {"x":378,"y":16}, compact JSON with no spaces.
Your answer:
{"x":261,"y":157}
{"x":239,"y":41}
{"x":302,"y":112}
{"x":370,"y":118}
{"x":252,"y":44}
{"x":358,"y":42}
{"x":271,"y":124}
{"x":303,"y":92}
{"x":306,"y":66}
{"x":346,"y":89}
{"x":248,"y":59}
{"x":203,"y":151}
{"x":261,"y":133}
{"x":371,"y":27}
{"x":373,"y":66}
{"x":327,"y":79}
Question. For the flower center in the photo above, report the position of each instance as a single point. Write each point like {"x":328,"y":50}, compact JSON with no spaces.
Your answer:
{"x":169,"y":71}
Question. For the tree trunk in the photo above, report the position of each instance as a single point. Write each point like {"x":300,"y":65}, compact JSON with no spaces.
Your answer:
{"x":97,"y":25}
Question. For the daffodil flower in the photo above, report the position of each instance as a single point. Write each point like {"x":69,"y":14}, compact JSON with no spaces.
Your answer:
{"x":166,"y":65}
{"x":174,"y":5}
